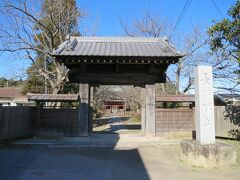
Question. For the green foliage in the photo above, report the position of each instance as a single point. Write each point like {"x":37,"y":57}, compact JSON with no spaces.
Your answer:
{"x":136,"y":118}
{"x":168,"y":105}
{"x":72,"y":88}
{"x":4,"y":82}
{"x":225,"y":35}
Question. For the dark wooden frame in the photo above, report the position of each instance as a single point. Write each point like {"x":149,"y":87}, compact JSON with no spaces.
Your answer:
{"x":117,"y":70}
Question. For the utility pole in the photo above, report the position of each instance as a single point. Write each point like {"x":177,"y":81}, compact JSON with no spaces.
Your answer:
{"x":45,"y":69}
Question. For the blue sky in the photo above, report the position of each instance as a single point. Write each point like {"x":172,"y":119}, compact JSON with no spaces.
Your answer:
{"x":200,"y":12}
{"x":107,"y":12}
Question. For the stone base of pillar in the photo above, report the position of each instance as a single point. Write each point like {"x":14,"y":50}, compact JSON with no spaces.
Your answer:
{"x":207,"y":156}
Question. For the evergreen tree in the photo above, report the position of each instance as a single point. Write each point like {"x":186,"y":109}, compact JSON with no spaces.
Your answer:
{"x":225,"y":35}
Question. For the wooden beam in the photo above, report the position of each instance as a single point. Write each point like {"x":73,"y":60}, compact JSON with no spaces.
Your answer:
{"x":151,"y":68}
{"x":114,"y":59}
{"x":117,"y":78}
{"x":117,"y":67}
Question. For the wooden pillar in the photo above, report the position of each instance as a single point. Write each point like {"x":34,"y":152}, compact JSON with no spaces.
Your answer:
{"x":125,"y":108}
{"x":37,"y":123}
{"x":90,"y":118}
{"x":84,"y":92}
{"x":143,"y":110}
{"x":150,"y":110}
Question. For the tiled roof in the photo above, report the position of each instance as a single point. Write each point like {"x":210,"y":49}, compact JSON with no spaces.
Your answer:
{"x":117,"y":46}
{"x":185,"y":98}
{"x":237,"y":96}
{"x":10,"y":92}
{"x":53,"y":97}
{"x":175,"y":98}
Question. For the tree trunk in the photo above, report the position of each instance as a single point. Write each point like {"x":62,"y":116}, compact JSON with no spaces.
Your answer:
{"x":178,"y":78}
{"x":163,"y":89}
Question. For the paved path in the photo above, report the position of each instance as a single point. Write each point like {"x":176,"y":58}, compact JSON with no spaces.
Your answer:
{"x":117,"y":125}
{"x":26,"y":162}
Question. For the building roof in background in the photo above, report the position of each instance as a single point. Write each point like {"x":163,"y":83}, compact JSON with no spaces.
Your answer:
{"x":10,"y":92}
{"x":53,"y":97}
{"x":236,"y":96}
{"x":175,"y":98}
{"x":185,"y":98}
{"x":117,"y":46}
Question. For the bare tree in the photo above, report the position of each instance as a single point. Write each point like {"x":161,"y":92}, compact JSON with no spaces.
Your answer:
{"x":191,"y":45}
{"x":34,"y":29}
{"x":196,"y":47}
{"x":108,"y":93}
{"x":133,"y":97}
{"x":225,"y":72}
{"x":150,"y":26}
{"x":100,"y":95}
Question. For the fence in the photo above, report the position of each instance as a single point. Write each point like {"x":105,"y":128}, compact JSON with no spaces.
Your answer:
{"x":57,"y":122}
{"x":227,"y":121}
{"x":173,"y":120}
{"x":17,"y":122}
{"x":21,"y":121}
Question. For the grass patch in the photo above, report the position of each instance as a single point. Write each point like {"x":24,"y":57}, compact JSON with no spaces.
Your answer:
{"x":135,"y":119}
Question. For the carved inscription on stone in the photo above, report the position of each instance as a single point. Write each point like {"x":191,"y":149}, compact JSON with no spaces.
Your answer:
{"x":204,"y":105}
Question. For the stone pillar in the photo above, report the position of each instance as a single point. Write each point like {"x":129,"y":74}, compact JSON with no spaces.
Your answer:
{"x":84,"y":109}
{"x":143,"y":110}
{"x":204,"y":101}
{"x":150,"y":110}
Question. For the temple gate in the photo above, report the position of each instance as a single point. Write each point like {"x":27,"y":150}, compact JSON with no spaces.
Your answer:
{"x":136,"y":61}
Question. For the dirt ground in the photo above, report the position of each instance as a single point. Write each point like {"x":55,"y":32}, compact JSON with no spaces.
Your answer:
{"x":119,"y":151}
{"x":116,"y":124}
{"x":149,"y":162}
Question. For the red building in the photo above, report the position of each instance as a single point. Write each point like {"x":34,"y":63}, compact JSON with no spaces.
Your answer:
{"x":115,"y":107}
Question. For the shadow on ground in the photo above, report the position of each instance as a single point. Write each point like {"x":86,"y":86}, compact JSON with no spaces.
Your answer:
{"x":115,"y":125}
{"x":114,"y":128}
{"x":65,"y":161}
{"x":106,"y":120}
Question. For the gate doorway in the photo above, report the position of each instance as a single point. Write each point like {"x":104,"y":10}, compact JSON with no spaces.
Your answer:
{"x":116,"y":110}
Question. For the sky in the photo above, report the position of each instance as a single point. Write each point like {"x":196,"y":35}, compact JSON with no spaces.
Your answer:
{"x":106,"y":13}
